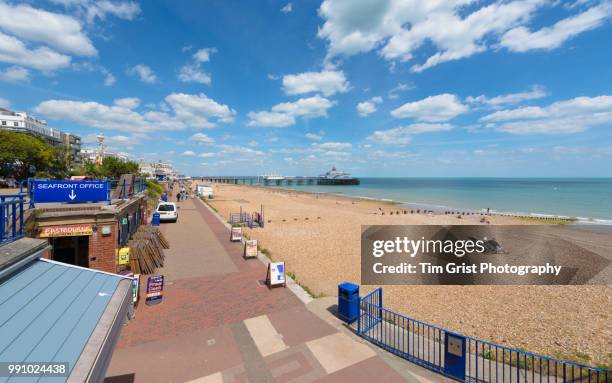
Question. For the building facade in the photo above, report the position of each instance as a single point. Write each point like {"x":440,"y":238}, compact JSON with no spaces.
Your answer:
{"x":22,"y":122}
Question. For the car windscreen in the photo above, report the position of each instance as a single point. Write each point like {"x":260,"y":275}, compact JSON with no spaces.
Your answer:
{"x":165,"y":208}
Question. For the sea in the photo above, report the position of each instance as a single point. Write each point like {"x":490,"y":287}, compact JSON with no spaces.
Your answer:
{"x":589,"y":200}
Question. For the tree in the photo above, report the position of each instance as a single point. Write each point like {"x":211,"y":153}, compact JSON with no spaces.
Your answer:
{"x":111,"y":167}
{"x":22,"y":155}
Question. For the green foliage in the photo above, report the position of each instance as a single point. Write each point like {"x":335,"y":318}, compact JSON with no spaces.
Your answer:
{"x":19,"y":153}
{"x":111,"y":167}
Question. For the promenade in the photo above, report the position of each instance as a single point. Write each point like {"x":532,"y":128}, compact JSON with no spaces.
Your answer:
{"x":218,"y":322}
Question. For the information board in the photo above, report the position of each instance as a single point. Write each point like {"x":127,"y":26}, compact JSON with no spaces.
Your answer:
{"x":69,"y":191}
{"x":155,"y":289}
{"x":236,"y":234}
{"x":276,"y":274}
{"x":250,"y":248}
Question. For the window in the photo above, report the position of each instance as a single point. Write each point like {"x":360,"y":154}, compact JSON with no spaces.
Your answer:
{"x":15,"y":123}
{"x":3,"y":122}
{"x":165,"y":208}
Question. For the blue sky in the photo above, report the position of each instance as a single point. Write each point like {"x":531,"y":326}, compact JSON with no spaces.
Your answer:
{"x":377,"y":88}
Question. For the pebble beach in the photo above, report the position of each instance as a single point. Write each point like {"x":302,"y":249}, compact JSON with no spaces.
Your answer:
{"x":318,"y":236}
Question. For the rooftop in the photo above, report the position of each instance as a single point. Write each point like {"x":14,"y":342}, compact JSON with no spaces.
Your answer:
{"x":55,"y":312}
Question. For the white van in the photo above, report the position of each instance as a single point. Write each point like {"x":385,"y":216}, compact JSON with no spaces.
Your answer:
{"x":168,"y":211}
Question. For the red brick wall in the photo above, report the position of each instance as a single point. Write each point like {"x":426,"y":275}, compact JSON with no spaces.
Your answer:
{"x":104,"y":249}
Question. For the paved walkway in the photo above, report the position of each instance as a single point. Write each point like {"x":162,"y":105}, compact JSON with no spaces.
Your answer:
{"x":218,"y":322}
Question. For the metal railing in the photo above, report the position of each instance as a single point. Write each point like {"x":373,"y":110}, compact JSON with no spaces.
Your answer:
{"x":462,"y":357}
{"x":11,"y":217}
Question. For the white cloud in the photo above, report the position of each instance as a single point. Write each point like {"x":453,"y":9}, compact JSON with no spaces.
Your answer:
{"x":196,"y":110}
{"x":206,"y":155}
{"x":284,"y":114}
{"x":253,"y":143}
{"x":442,"y":107}
{"x":14,"y":51}
{"x":189,"y":111}
{"x":92,"y":9}
{"x":4,"y":103}
{"x":313,"y":136}
{"x":61,"y":32}
{"x":333,"y":145}
{"x":143,"y":72}
{"x":325,"y":82}
{"x":270,"y":119}
{"x":109,"y":79}
{"x":521,"y":39}
{"x":455,"y":28}
{"x":188,"y":153}
{"x":287,"y":8}
{"x":535,"y":93}
{"x":203,"y":55}
{"x":15,"y":74}
{"x":403,"y":135}
{"x":368,"y":107}
{"x":394,"y":93}
{"x":127,"y":102}
{"x":202,"y":138}
{"x":193,"y":73}
{"x":561,"y":117}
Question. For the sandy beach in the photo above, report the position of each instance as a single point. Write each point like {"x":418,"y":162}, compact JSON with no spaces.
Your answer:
{"x":318,"y":236}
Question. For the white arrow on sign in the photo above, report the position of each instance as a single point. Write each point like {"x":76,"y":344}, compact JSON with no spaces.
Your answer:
{"x":72,"y":196}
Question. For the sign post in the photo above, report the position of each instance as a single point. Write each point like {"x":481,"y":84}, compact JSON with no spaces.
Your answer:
{"x":236,"y":234}
{"x":276,"y":274}
{"x":155,"y":289}
{"x":250,"y":248}
{"x":69,"y":191}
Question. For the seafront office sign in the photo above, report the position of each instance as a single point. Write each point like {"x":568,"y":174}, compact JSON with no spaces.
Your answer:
{"x":69,"y":191}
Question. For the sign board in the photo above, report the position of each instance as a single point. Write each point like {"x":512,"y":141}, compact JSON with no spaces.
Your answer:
{"x":276,"y":274}
{"x":124,"y":221}
{"x":65,"y":231}
{"x":69,"y":191}
{"x":124,"y":256}
{"x":135,"y":287}
{"x":236,"y":234}
{"x":250,"y":248}
{"x":155,"y":289}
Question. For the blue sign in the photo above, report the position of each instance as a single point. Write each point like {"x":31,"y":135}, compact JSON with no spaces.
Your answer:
{"x":69,"y":191}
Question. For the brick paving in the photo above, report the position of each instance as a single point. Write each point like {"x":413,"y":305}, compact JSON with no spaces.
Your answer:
{"x":198,"y":332}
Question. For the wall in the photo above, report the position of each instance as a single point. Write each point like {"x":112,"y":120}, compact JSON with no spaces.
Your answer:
{"x":104,"y":249}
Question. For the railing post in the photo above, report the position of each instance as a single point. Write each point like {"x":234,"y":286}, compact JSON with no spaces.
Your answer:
{"x":2,"y":233}
{"x":14,"y":218}
{"x":21,"y":215}
{"x":359,"y":318}
{"x":380,"y":303}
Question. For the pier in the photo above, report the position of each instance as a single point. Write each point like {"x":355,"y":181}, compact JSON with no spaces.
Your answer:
{"x":273,"y":181}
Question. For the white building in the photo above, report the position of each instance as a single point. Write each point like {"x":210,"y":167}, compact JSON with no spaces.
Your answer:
{"x":24,"y":123}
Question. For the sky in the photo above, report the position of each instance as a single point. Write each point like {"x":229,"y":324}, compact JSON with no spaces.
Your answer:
{"x":515,"y":88}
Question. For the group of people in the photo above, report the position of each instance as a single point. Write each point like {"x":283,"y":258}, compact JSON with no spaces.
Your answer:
{"x":182,"y":194}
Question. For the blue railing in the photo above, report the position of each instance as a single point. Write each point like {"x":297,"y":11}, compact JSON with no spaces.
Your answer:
{"x":462,"y":357}
{"x":11,"y":217}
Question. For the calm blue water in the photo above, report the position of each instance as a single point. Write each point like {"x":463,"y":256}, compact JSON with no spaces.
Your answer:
{"x":585,"y":198}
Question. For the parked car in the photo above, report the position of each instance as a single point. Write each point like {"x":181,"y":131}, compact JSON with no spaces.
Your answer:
{"x":168,"y":211}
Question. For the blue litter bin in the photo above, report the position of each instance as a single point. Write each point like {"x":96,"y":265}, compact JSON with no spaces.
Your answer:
{"x":155,"y":219}
{"x":348,"y":302}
